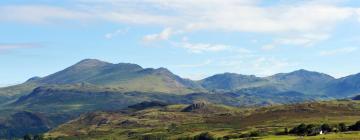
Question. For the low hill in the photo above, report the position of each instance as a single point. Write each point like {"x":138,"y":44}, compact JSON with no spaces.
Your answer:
{"x":20,"y":123}
{"x":180,"y":121}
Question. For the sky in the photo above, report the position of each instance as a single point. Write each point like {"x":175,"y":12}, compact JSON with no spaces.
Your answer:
{"x":193,"y":39}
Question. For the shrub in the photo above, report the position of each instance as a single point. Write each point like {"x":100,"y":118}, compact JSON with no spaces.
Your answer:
{"x":355,"y":127}
{"x":302,"y":130}
{"x":326,"y":127}
{"x":27,"y":137}
{"x":204,"y":136}
{"x":342,"y":127}
{"x":299,"y":130}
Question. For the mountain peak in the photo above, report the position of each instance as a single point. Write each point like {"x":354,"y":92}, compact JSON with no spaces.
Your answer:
{"x":304,"y":74}
{"x":91,"y":62}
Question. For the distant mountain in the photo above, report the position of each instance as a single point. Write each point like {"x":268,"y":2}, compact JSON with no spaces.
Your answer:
{"x":344,"y":87}
{"x":231,"y":81}
{"x":304,"y":81}
{"x":125,"y":76}
{"x":21,"y":123}
{"x":122,"y":77}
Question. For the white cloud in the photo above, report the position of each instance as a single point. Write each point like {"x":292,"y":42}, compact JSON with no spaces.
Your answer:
{"x":207,"y":62}
{"x":267,"y":66}
{"x":163,"y":35}
{"x":303,"y":40}
{"x":338,"y":51}
{"x":41,"y":14}
{"x":268,"y":47}
{"x":9,"y":46}
{"x":116,"y":33}
{"x":204,"y":47}
{"x":230,"y":15}
{"x":300,"y":19}
{"x":254,"y":64}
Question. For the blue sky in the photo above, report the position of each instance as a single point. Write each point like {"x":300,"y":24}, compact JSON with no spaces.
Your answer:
{"x":194,"y":39}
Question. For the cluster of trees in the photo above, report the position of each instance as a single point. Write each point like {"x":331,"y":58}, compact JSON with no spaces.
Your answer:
{"x":312,"y":129}
{"x":208,"y":136}
{"x":35,"y":137}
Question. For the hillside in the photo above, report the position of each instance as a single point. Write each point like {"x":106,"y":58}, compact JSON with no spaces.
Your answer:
{"x":127,"y":77}
{"x":122,"y":77}
{"x":344,"y":87}
{"x":177,"y":121}
{"x":231,"y":81}
{"x":93,"y":85}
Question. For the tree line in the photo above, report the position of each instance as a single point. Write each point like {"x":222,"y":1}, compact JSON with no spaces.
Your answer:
{"x":313,"y":129}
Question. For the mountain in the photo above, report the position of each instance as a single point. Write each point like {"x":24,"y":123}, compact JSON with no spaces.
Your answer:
{"x":93,"y":85}
{"x":21,"y":123}
{"x":304,"y":81}
{"x":344,"y":87}
{"x":122,"y":77}
{"x":231,"y":81}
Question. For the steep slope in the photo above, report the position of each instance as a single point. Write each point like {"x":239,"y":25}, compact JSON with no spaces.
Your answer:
{"x":122,"y":76}
{"x":21,"y":123}
{"x":344,"y":87}
{"x":125,"y":76}
{"x":11,"y":93}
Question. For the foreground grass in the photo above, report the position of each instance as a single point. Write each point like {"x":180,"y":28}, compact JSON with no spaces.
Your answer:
{"x":332,"y":136}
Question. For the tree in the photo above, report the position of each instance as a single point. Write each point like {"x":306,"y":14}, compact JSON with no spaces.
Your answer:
{"x":326,"y":127}
{"x":342,"y":127}
{"x":286,"y":131}
{"x":355,"y":127}
{"x":27,"y":137}
{"x":299,"y":130}
{"x":312,"y":130}
{"x":204,"y":136}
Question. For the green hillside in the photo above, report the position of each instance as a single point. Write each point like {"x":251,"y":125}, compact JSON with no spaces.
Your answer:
{"x":178,"y":121}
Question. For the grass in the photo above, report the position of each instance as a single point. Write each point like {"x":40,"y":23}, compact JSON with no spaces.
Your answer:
{"x":170,"y":122}
{"x":330,"y":136}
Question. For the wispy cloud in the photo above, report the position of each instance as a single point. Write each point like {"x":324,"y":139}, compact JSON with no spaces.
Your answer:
{"x":163,"y":35}
{"x":41,"y":14}
{"x":231,"y":15}
{"x":12,"y":46}
{"x":207,"y":62}
{"x":302,"y":40}
{"x":338,"y":51}
{"x":204,"y":47}
{"x":116,"y":33}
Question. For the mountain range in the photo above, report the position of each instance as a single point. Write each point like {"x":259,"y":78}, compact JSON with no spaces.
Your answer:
{"x":127,"y":77}
{"x":94,"y":85}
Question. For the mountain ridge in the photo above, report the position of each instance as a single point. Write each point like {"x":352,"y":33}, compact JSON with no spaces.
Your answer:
{"x":133,"y":77}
